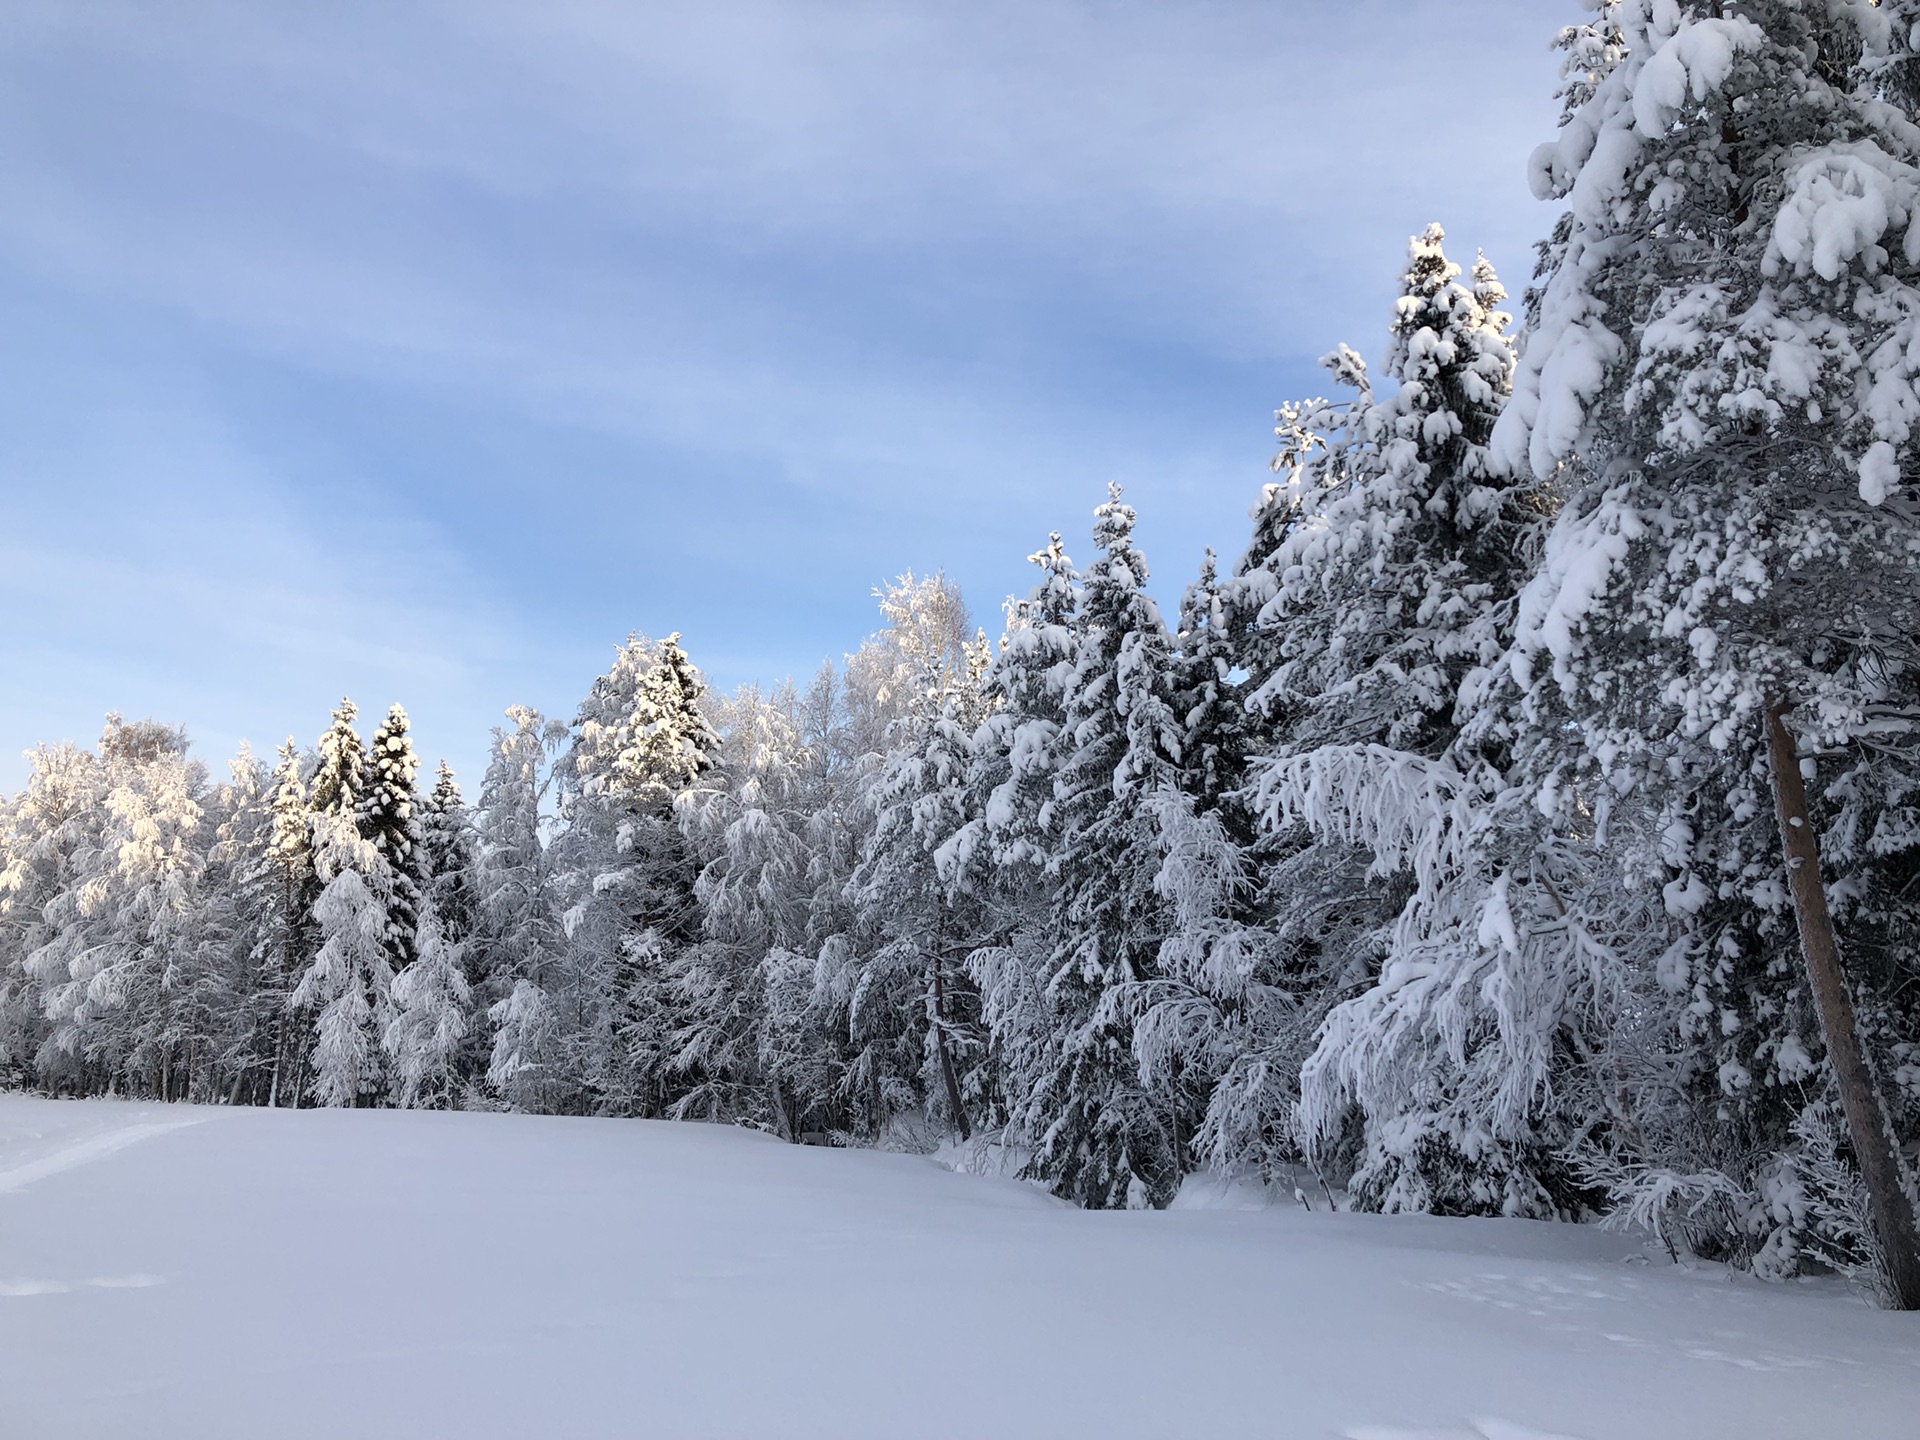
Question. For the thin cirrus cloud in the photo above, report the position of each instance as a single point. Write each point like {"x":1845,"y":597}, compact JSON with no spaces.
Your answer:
{"x":421,"y":350}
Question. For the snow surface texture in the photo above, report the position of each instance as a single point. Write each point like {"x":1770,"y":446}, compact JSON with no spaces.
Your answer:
{"x":411,"y":1274}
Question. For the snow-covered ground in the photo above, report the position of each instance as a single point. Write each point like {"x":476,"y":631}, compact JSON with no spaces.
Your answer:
{"x":173,"y":1271}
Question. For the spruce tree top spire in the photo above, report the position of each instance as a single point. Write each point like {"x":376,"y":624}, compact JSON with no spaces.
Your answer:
{"x":341,"y":779}
{"x":643,"y":733}
{"x":1052,"y":599}
{"x":1206,"y":696}
{"x":390,"y":818}
{"x":1377,"y":564}
{"x":446,"y":790}
{"x":290,"y":841}
{"x":388,"y":808}
{"x":669,"y":742}
{"x":1454,"y":363}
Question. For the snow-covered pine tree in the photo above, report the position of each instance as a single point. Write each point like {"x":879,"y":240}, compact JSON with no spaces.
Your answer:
{"x":390,"y":818}
{"x":748,"y":824}
{"x":48,"y":831}
{"x":1210,"y":1008}
{"x":1015,"y":751}
{"x":898,"y":982}
{"x":1717,"y":380}
{"x":844,"y":1021}
{"x":1379,"y":593}
{"x":116,"y":1010}
{"x":341,"y":1001}
{"x":431,"y":1013}
{"x":348,"y":985}
{"x":1207,"y":683}
{"x":912,"y":1012}
{"x":515,"y":927}
{"x":233,"y":1017}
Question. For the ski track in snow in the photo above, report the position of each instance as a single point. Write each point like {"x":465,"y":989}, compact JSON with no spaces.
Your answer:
{"x":1488,"y":1429}
{"x":10,"y":1288}
{"x":75,"y":1153}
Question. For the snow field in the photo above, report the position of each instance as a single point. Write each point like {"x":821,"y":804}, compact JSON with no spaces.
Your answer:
{"x":171,"y":1271}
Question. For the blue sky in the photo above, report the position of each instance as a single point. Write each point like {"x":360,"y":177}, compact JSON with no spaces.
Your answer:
{"x":420,"y":351}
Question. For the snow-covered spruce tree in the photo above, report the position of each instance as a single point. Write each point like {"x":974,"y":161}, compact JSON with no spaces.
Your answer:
{"x":390,"y":818}
{"x":335,"y":1016}
{"x":831,"y":1039}
{"x":287,"y":935}
{"x":1016,"y":749}
{"x":348,"y":985}
{"x":1447,"y":1060}
{"x":515,"y":929}
{"x":897,"y":983}
{"x":432,"y":1011}
{"x":1717,"y":375}
{"x":340,"y":776}
{"x":1209,"y":1009}
{"x":998,"y":855}
{"x":1098,"y":1138}
{"x":1208,"y":697}
{"x":1379,"y":595}
{"x":624,"y":874}
{"x":448,"y":848}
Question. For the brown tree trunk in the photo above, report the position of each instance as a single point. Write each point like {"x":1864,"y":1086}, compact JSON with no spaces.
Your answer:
{"x":1866,"y":1118}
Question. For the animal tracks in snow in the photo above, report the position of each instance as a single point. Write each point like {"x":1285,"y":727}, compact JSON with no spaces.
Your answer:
{"x":1540,"y":1295}
{"x":1559,"y":1298}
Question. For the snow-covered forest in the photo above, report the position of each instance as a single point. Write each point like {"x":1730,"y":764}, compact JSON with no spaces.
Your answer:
{"x":1431,"y":855}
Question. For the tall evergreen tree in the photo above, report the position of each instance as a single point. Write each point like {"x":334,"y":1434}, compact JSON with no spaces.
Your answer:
{"x":1098,"y":1136}
{"x":624,"y":873}
{"x":430,"y":1017}
{"x":516,"y":929}
{"x":235,"y":1017}
{"x":911,"y":1011}
{"x":1717,"y":381}
{"x":52,"y":829}
{"x":288,"y":936}
{"x":389,"y":816}
{"x":1390,"y":597}
{"x":348,"y":984}
{"x":448,"y":850}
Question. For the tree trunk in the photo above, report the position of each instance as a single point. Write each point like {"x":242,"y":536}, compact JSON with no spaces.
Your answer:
{"x":279,"y":1057}
{"x":946,"y":1055}
{"x":1866,"y":1118}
